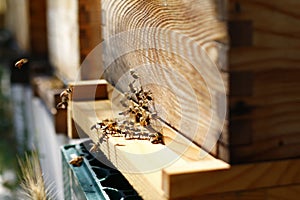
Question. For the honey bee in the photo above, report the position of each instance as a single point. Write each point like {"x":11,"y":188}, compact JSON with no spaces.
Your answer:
{"x":99,"y":125}
{"x":132,"y":88}
{"x":64,"y":98}
{"x":156,"y":138}
{"x":65,"y":93}
{"x":134,"y":74}
{"x":76,"y":161}
{"x":21,"y":62}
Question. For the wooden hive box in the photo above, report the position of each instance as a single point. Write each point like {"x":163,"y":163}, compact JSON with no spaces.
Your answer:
{"x":27,"y":22}
{"x":74,"y":30}
{"x":252,"y":44}
{"x":176,"y":47}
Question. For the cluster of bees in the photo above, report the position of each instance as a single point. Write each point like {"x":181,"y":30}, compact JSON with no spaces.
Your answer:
{"x":136,"y":120}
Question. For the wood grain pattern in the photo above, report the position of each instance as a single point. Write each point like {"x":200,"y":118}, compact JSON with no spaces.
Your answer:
{"x":236,"y":178}
{"x":261,"y":84}
{"x":274,"y":193}
{"x":166,"y":43}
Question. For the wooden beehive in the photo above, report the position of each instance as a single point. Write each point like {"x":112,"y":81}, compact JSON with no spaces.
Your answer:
{"x":74,"y":31}
{"x":27,"y":22}
{"x":259,"y":70}
{"x":38,"y":27}
{"x":257,"y":64}
{"x":264,"y":70}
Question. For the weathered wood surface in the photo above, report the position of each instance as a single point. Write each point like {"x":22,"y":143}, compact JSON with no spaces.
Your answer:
{"x":175,"y":47}
{"x":261,"y":84}
{"x":236,"y":178}
{"x":264,"y":95}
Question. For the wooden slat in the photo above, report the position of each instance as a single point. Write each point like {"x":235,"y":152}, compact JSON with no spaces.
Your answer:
{"x":290,"y":192}
{"x":264,"y":122}
{"x":185,"y":182}
{"x":275,"y":36}
{"x":193,"y":174}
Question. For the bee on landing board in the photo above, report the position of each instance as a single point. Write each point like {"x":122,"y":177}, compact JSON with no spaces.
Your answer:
{"x":21,"y":62}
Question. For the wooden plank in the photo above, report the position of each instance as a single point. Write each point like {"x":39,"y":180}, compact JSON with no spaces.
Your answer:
{"x":265,"y":121}
{"x":179,"y":183}
{"x":90,"y":90}
{"x":143,"y":172}
{"x":275,"y":37}
{"x":290,"y":192}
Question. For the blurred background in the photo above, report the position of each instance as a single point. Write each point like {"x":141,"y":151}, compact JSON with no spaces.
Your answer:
{"x":22,"y":34}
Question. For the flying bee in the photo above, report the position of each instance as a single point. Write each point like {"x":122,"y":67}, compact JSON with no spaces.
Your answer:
{"x":76,"y":161}
{"x":21,"y":62}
